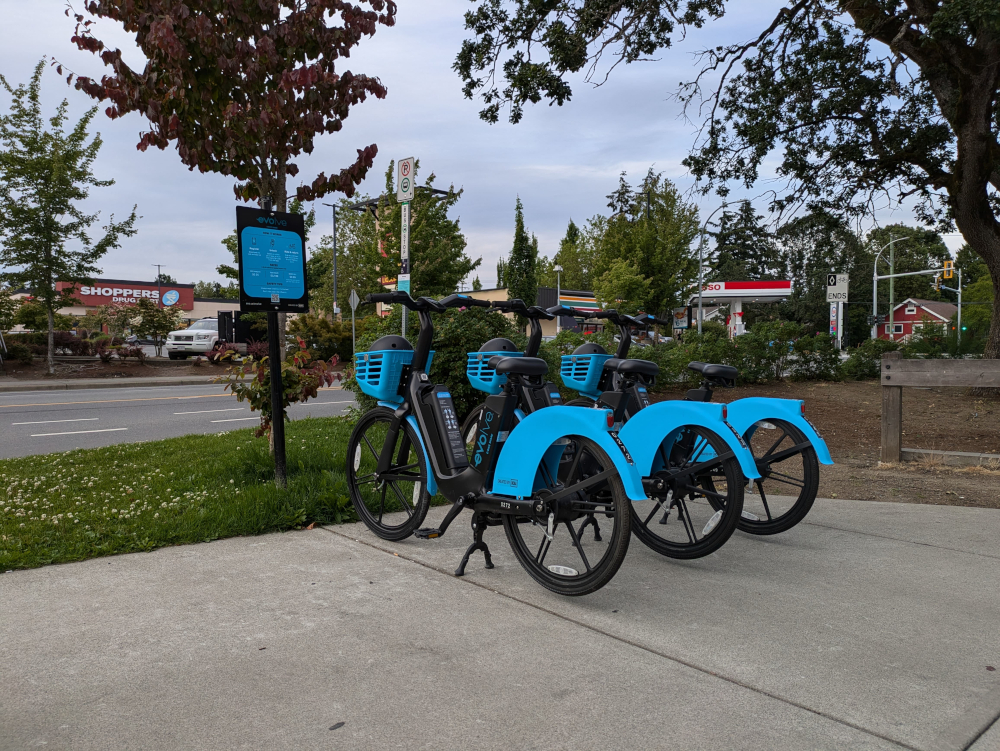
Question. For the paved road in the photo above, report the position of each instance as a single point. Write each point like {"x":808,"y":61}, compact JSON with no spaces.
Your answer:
{"x":870,"y":626}
{"x":45,"y":421}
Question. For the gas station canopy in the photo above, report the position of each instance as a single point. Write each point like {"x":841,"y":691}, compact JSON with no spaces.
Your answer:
{"x":722,"y":292}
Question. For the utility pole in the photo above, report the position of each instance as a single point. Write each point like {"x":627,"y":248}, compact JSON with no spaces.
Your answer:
{"x":892,"y":290}
{"x":701,"y":284}
{"x":159,"y":294}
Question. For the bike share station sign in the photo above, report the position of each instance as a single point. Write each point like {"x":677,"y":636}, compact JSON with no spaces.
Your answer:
{"x":405,"y":190}
{"x":272,"y":261}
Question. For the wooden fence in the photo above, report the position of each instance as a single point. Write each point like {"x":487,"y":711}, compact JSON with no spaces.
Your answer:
{"x":898,"y":373}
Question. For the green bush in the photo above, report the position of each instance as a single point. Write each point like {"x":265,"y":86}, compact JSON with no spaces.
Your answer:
{"x":866,"y":360}
{"x":456,"y":333}
{"x":765,"y":353}
{"x":816,"y":359}
{"x":324,"y":339}
{"x":19,"y":352}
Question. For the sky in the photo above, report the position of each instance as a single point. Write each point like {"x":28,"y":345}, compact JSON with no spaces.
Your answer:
{"x":561,"y":161}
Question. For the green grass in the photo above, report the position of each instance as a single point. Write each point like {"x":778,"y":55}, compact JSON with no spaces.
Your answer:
{"x":86,"y":503}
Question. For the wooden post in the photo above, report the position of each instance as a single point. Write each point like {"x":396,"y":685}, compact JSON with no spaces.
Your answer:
{"x":892,"y":411}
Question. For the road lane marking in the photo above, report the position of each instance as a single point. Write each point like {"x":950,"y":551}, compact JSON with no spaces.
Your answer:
{"x":46,"y":422}
{"x":206,"y":411}
{"x":113,"y":401}
{"x":237,"y":419}
{"x":316,"y":404}
{"x":78,"y":432}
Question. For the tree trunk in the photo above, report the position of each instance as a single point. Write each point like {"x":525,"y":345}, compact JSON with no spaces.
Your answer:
{"x":52,"y":342}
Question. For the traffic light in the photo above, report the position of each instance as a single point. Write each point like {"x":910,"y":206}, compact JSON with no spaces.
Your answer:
{"x":937,"y":282}
{"x":949,"y":269}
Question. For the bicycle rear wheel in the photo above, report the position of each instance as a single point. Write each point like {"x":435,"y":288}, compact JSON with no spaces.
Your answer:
{"x":782,"y":496}
{"x":702,"y":496}
{"x":394,"y":503}
{"x":555,"y":551}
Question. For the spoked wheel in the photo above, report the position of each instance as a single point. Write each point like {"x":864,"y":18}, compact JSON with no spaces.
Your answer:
{"x":392,"y":504}
{"x":700,"y":511}
{"x":789,"y":480}
{"x":557,"y":549}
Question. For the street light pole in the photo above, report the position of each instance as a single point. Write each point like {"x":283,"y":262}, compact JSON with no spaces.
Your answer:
{"x":334,"y":207}
{"x":558,"y":270}
{"x":878,"y":255}
{"x":159,"y":294}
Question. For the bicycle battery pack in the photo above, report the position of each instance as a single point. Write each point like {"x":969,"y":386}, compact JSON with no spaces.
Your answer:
{"x":546,"y":395}
{"x":450,"y":431}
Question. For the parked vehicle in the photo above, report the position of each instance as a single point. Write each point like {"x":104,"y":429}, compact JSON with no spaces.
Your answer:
{"x":198,"y":339}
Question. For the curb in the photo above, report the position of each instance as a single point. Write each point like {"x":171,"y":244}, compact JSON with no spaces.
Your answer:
{"x":101,"y":383}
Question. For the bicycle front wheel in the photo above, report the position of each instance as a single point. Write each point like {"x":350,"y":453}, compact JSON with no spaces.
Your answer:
{"x":558,"y":551}
{"x":392,"y":504}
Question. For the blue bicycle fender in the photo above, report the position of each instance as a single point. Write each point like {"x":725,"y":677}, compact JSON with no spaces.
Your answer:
{"x":647,"y":429}
{"x":432,"y":486}
{"x":743,"y":413}
{"x":527,"y":444}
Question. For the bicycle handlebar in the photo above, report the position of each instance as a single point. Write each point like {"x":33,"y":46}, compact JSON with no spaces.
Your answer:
{"x":518,"y":306}
{"x":425,"y":303}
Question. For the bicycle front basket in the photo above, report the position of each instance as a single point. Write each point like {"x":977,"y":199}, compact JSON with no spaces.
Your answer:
{"x":380,"y":372}
{"x":582,"y":372}
{"x":482,"y":376}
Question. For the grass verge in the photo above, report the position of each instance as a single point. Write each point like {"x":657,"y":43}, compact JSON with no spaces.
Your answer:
{"x":57,"y":508}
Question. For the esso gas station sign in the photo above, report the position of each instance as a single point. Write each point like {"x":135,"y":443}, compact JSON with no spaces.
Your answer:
{"x":107,"y":292}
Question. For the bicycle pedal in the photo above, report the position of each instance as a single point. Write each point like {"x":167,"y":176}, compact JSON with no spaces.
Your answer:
{"x":428,"y":533}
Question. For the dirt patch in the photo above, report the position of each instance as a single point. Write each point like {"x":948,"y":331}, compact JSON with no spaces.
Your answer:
{"x":848,"y":416}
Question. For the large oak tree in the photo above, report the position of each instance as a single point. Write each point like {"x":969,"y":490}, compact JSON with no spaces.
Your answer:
{"x":865,"y":100}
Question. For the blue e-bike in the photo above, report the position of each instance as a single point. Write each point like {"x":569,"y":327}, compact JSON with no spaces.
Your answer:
{"x":410,"y":447}
{"x":692,"y":462}
{"x":786,"y":448}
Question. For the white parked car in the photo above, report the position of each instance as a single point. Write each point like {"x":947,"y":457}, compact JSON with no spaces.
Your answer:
{"x":198,"y":339}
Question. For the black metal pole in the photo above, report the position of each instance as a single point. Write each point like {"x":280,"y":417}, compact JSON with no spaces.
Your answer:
{"x":277,"y":398}
{"x":277,"y":402}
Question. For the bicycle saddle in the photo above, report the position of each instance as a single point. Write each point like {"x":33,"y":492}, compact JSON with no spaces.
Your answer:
{"x":724,"y":372}
{"x":632,"y":367}
{"x":527,"y":366}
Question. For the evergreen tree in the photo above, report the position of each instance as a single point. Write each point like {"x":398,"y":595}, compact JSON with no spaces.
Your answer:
{"x":501,"y":273}
{"x":744,"y":248}
{"x":360,"y":264}
{"x":653,"y":233}
{"x":809,"y":248}
{"x":972,"y":266}
{"x":44,"y":175}
{"x":520,"y":272}
{"x":576,"y":257}
{"x":476,"y":284}
{"x":437,"y":246}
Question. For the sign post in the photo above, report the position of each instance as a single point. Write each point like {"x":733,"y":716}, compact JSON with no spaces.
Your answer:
{"x":836,"y":295}
{"x":353,"y":300}
{"x":405,"y":191}
{"x":272,"y":276}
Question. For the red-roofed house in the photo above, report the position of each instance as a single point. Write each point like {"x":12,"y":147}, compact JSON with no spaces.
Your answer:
{"x":911,"y":315}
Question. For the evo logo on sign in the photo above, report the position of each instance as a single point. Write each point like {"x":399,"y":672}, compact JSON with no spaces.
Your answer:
{"x":271,"y":221}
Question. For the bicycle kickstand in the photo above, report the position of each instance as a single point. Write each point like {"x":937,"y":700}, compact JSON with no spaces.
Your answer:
{"x":478,"y":528}
{"x":591,"y":519}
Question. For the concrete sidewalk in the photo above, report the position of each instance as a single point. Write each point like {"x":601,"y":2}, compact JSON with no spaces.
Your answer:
{"x":869,"y":626}
{"x":70,"y":384}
